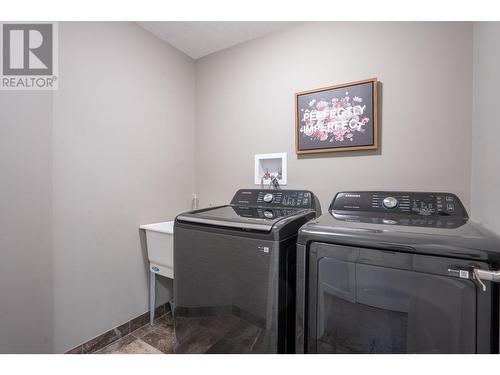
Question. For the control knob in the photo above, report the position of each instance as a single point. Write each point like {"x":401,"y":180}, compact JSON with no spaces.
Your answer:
{"x":390,"y":202}
{"x":268,"y":198}
{"x":268,"y":214}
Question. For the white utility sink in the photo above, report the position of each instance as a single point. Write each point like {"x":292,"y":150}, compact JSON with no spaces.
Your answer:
{"x":160,"y":246}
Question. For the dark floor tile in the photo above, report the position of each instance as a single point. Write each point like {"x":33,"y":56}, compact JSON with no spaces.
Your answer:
{"x":77,"y":350}
{"x":144,"y":330}
{"x":138,"y":347}
{"x":107,"y":338}
{"x":163,"y":330}
{"x":219,"y":334}
{"x":117,"y":345}
{"x":139,"y":321}
{"x":129,"y":345}
{"x":166,"y":320}
{"x":198,"y":345}
{"x":139,"y":326}
{"x":241,"y":339}
{"x":161,"y":323}
{"x":164,"y":341}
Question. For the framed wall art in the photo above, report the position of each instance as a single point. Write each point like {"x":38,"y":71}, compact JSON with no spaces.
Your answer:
{"x":337,"y":118}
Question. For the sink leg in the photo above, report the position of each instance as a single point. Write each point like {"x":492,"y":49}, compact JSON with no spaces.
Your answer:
{"x":152,"y":297}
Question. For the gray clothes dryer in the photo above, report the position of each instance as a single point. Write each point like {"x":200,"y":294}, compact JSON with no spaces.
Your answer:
{"x":397,"y":272}
{"x":234,"y":286}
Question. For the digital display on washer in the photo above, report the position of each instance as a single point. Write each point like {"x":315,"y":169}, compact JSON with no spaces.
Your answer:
{"x":237,"y":212}
{"x":425,"y":206}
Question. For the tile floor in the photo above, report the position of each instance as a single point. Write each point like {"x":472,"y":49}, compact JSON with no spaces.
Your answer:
{"x":146,"y":340}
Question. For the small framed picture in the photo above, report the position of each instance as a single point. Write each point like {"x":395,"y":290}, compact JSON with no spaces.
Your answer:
{"x":337,"y":118}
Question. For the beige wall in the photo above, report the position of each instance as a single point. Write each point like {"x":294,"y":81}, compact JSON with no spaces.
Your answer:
{"x":245,"y":106}
{"x":25,"y":222}
{"x":123,"y":156}
{"x":485,"y":129}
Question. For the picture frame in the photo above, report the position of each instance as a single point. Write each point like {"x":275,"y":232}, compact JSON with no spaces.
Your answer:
{"x":337,"y":118}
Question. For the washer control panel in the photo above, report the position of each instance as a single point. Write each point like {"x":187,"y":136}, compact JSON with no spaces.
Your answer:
{"x":410,"y":203}
{"x":274,"y":198}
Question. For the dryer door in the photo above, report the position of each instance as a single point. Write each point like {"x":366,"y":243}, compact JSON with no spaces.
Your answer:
{"x":372,"y":301}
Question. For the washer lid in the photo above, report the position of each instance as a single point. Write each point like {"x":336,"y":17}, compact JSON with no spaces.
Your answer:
{"x":468,"y":241}
{"x":243,"y":217}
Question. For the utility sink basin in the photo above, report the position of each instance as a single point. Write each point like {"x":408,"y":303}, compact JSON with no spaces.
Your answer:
{"x":160,"y":245}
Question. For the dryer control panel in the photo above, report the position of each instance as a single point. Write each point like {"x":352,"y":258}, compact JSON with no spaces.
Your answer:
{"x":391,"y":205}
{"x":397,"y":202}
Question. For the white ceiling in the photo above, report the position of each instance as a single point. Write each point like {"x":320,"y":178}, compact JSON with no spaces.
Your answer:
{"x":198,"y":39}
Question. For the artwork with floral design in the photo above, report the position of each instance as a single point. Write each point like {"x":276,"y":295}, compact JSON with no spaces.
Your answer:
{"x":336,"y":118}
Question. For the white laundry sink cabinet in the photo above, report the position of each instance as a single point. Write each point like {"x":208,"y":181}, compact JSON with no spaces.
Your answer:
{"x":160,"y":247}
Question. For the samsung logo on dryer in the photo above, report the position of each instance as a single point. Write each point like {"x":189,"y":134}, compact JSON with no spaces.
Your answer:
{"x":353,"y":195}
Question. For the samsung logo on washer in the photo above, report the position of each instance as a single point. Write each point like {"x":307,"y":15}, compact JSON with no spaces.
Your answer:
{"x":29,"y":56}
{"x":353,"y":195}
